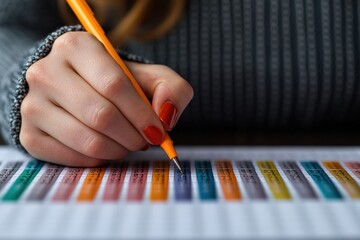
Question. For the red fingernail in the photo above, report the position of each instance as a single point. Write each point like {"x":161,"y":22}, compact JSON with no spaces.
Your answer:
{"x":154,"y":135}
{"x":168,"y":115}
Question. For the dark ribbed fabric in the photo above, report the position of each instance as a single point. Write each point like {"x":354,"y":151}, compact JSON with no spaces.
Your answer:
{"x":266,"y":63}
{"x":22,"y":24}
{"x":252,"y":63}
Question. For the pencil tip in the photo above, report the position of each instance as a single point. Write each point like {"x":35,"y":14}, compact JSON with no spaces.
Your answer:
{"x":177,"y":163}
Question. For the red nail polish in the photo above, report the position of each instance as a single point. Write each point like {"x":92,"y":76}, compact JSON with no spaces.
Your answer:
{"x":154,"y":135}
{"x":168,"y":115}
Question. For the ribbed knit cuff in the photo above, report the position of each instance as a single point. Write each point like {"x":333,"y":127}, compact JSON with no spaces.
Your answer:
{"x":22,"y":87}
{"x":132,"y":57}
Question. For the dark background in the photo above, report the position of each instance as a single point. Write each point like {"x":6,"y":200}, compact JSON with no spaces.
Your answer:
{"x":317,"y":138}
{"x":277,"y":138}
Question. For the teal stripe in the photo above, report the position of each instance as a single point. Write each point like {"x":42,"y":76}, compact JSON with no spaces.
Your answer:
{"x":326,"y":186}
{"x":205,"y":180}
{"x":23,"y":181}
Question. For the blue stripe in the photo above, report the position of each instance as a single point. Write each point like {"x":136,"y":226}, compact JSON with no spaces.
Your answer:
{"x":322,"y":180}
{"x":206,"y":182}
{"x":183,"y":182}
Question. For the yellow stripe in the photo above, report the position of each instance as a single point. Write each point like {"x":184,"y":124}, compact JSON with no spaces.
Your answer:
{"x":273,"y":178}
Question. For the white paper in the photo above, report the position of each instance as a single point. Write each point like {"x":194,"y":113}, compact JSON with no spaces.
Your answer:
{"x":196,"y":219}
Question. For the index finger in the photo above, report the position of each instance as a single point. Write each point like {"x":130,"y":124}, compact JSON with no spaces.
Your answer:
{"x":90,"y":60}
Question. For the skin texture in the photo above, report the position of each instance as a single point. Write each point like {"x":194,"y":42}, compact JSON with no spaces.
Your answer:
{"x":81,"y":110}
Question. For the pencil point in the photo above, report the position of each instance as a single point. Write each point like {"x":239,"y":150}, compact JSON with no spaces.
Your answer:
{"x":177,"y":163}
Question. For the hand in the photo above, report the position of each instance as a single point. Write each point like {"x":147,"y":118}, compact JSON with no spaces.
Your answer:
{"x":81,"y":109}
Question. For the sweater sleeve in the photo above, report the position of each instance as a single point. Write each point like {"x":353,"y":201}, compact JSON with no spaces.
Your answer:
{"x":20,"y":50}
{"x":15,"y":42}
{"x":24,"y":51}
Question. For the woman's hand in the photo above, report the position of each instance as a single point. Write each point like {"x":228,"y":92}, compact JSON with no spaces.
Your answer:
{"x":81,"y":109}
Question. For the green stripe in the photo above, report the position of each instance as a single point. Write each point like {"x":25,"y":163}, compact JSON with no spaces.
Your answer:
{"x":23,"y":181}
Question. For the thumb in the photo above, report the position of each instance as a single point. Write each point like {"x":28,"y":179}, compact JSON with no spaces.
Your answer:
{"x":170,"y":100}
{"x":170,"y":93}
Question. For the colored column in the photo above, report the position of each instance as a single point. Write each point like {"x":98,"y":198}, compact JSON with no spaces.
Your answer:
{"x":159,"y":181}
{"x":68,"y":184}
{"x":298,"y":179}
{"x":44,"y":184}
{"x":354,"y":167}
{"x":182,"y":182}
{"x":91,"y":184}
{"x":227,"y":179}
{"x":322,"y":180}
{"x":250,"y":178}
{"x":23,"y":181}
{"x":115,"y":182}
{"x":137,"y":181}
{"x":8,"y":172}
{"x":274,"y":180}
{"x":206,"y":181}
{"x":344,"y":178}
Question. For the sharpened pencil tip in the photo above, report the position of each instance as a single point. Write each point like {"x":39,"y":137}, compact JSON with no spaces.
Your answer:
{"x":177,"y":163}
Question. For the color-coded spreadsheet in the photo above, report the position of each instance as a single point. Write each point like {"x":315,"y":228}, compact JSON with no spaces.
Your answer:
{"x":225,"y":192}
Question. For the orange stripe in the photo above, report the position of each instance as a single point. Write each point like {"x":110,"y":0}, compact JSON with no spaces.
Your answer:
{"x":91,"y":184}
{"x":344,"y":178}
{"x":159,"y":181}
{"x":227,"y":179}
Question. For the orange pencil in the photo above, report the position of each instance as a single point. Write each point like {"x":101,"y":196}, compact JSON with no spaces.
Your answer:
{"x":87,"y":19}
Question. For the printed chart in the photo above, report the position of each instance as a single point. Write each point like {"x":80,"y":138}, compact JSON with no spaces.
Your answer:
{"x":225,"y":192}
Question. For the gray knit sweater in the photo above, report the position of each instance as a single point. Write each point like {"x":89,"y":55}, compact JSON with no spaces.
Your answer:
{"x":252,"y":63}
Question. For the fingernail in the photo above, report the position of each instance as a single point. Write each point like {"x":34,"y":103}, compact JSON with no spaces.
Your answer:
{"x":154,"y":135}
{"x":145,"y":148}
{"x":168,"y":115}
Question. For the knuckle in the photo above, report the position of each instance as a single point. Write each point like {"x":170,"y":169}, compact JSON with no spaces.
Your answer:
{"x":28,"y":107}
{"x":102,"y":116}
{"x":68,"y":41}
{"x":36,"y":72}
{"x":92,"y":145}
{"x":28,"y":141}
{"x":186,"y":90}
{"x":113,"y":84}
